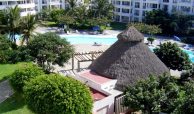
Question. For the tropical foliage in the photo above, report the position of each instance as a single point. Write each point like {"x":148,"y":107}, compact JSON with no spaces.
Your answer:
{"x":176,"y":23}
{"x":28,"y":25}
{"x":48,"y":49}
{"x":12,"y":17}
{"x":7,"y":50}
{"x":79,"y":15}
{"x":146,"y":28}
{"x":163,"y":94}
{"x":13,"y":24}
{"x":173,"y":57}
{"x":54,"y":94}
{"x":21,"y":76}
{"x":144,"y":96}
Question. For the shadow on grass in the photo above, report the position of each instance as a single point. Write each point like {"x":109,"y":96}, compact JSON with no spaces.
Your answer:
{"x":13,"y":103}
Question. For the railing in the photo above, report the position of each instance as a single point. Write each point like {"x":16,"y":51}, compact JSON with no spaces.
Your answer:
{"x":119,"y":108}
{"x":85,"y":57}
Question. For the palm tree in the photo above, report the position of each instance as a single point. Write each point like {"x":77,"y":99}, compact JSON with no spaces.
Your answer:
{"x":103,"y":8}
{"x":13,"y":22}
{"x":3,"y":22}
{"x":72,"y":4}
{"x":29,"y":24}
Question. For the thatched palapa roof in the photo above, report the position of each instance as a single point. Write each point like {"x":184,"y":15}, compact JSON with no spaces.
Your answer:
{"x":128,"y":60}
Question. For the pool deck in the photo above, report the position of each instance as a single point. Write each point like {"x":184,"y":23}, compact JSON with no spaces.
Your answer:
{"x":89,"y":47}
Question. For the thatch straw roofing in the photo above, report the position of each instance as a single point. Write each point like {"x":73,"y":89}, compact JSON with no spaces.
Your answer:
{"x":128,"y":60}
{"x":129,"y":36}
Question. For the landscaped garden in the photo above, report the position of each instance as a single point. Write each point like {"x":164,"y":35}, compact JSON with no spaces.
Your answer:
{"x":29,"y":67}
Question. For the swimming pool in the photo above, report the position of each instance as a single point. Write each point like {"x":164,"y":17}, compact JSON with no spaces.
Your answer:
{"x":190,"y":53}
{"x":90,"y":39}
{"x":108,"y":40}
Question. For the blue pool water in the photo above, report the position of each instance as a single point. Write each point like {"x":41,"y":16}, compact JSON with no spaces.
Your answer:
{"x":90,"y":39}
{"x":191,"y":54}
{"x":109,"y":40}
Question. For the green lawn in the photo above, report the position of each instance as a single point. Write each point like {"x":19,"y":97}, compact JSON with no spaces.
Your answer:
{"x":14,"y":105}
{"x":7,"y":69}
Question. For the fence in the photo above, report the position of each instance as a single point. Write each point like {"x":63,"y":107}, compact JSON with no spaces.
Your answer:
{"x":85,"y":57}
{"x":119,"y":108}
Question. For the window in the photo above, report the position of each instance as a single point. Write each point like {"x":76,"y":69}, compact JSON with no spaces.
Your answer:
{"x":165,"y":7}
{"x":118,"y":2}
{"x":117,"y":18}
{"x":36,"y":8}
{"x":124,"y":10}
{"x":174,"y":8}
{"x":175,"y":1}
{"x":137,"y":5}
{"x":136,"y":19}
{"x":125,"y":19}
{"x":185,"y":9}
{"x":144,"y":5}
{"x":126,"y":3}
{"x":143,"y":13}
{"x":153,"y":5}
{"x":136,"y":12}
{"x":117,"y":9}
{"x":166,"y":1}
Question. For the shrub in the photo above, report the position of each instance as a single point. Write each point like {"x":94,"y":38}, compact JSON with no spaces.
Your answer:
{"x":186,"y":106}
{"x":173,"y":57}
{"x":54,"y":94}
{"x":155,"y":95}
{"x":146,"y":28}
{"x":6,"y":49}
{"x":151,"y":39}
{"x":19,"y":78}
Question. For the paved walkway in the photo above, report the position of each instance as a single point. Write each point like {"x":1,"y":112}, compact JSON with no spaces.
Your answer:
{"x":5,"y":90}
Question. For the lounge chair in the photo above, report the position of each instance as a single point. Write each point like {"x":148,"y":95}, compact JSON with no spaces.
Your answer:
{"x":96,"y":44}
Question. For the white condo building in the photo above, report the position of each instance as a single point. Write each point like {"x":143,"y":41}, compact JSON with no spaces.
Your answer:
{"x":49,"y":4}
{"x":34,"y":6}
{"x":134,"y":10}
{"x":27,"y":6}
{"x":125,"y":10}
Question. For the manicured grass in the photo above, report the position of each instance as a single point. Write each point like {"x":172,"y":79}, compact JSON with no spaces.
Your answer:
{"x":14,"y":105}
{"x":7,"y":69}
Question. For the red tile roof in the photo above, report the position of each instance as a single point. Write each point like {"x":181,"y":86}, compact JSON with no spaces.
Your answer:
{"x":97,"y":95}
{"x":95,"y":77}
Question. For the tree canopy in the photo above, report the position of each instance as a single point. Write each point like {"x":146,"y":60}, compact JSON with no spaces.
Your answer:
{"x":164,"y":94}
{"x":7,"y":50}
{"x":176,"y":23}
{"x":146,"y":28}
{"x":173,"y":57}
{"x":48,"y":49}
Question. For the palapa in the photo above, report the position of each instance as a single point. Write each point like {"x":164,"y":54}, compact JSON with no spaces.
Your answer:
{"x":128,"y":60}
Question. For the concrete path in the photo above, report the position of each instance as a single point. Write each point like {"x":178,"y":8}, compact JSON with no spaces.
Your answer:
{"x":5,"y":90}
